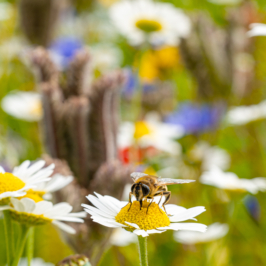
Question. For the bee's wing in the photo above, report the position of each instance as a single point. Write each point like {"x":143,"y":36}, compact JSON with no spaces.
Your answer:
{"x":136,"y":175}
{"x":170,"y":181}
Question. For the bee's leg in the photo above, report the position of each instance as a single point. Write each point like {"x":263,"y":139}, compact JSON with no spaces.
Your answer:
{"x":130,"y":201}
{"x":140,"y":204}
{"x":159,"y":193}
{"x":149,"y":205}
{"x":167,"y":198}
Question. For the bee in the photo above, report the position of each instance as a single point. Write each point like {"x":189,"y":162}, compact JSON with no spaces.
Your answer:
{"x":149,"y":186}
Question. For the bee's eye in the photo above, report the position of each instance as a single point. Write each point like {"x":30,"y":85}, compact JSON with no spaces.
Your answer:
{"x":145,"y":190}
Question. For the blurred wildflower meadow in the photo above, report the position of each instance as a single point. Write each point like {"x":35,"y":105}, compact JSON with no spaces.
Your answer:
{"x":104,"y":88}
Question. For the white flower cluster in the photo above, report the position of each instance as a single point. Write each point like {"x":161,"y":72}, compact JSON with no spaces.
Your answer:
{"x":242,"y":115}
{"x":230,"y":181}
{"x":23,"y":190}
{"x":164,"y":23}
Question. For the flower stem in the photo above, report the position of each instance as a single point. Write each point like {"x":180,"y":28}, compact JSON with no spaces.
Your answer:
{"x":30,"y":245}
{"x":143,"y":253}
{"x":21,"y":243}
{"x":8,"y":236}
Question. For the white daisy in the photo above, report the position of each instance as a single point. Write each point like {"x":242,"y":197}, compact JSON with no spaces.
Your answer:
{"x":210,"y":156}
{"x":111,"y":212}
{"x":214,"y":231}
{"x":32,"y":213}
{"x":160,"y":23}
{"x":56,"y":183}
{"x":230,"y":181}
{"x":257,"y":29}
{"x":23,"y":105}
{"x":242,"y":115}
{"x":23,"y":178}
{"x":150,"y":133}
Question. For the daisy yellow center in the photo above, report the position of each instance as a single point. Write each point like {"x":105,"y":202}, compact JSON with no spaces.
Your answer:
{"x":148,"y":25}
{"x":29,"y":219}
{"x":141,"y":129}
{"x":154,"y":218}
{"x":34,"y":195}
{"x":9,"y":183}
{"x":37,"y":109}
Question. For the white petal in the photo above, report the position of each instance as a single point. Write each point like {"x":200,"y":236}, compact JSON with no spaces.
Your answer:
{"x":29,"y":204}
{"x":58,"y":182}
{"x":14,"y":194}
{"x":187,"y":214}
{"x":2,"y":170}
{"x":154,"y":231}
{"x":186,"y":226}
{"x":35,"y":167}
{"x":21,"y":169}
{"x":172,"y":209}
{"x":140,"y":233}
{"x":68,"y":219}
{"x":5,"y":207}
{"x":107,"y":203}
{"x":108,"y":223}
{"x":115,"y":203}
{"x":133,"y":225}
{"x":59,"y":209}
{"x":42,"y":207}
{"x":96,"y":212}
{"x":77,"y":214}
{"x":18,"y":205}
{"x":100,"y":205}
{"x":64,"y":227}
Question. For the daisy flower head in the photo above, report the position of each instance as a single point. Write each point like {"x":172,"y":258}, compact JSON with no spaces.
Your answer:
{"x":143,"y":221}
{"x":150,"y":133}
{"x":23,"y":105}
{"x":56,"y":183}
{"x":24,"y":177}
{"x":215,"y":231}
{"x":230,"y":181}
{"x":141,"y":20}
{"x":257,"y":29}
{"x":210,"y":156}
{"x":27,"y":211}
{"x":242,"y":115}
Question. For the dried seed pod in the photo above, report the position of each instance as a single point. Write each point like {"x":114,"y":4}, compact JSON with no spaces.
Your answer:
{"x":45,"y":69}
{"x":78,"y":74}
{"x":75,"y":118}
{"x":51,"y":97}
{"x":38,"y":19}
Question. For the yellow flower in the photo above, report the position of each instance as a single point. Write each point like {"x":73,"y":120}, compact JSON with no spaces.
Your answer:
{"x":141,"y":129}
{"x":155,"y":62}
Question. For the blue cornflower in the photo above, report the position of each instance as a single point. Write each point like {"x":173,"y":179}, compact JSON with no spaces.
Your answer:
{"x":195,"y":118}
{"x":63,"y":50}
{"x":253,"y":207}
